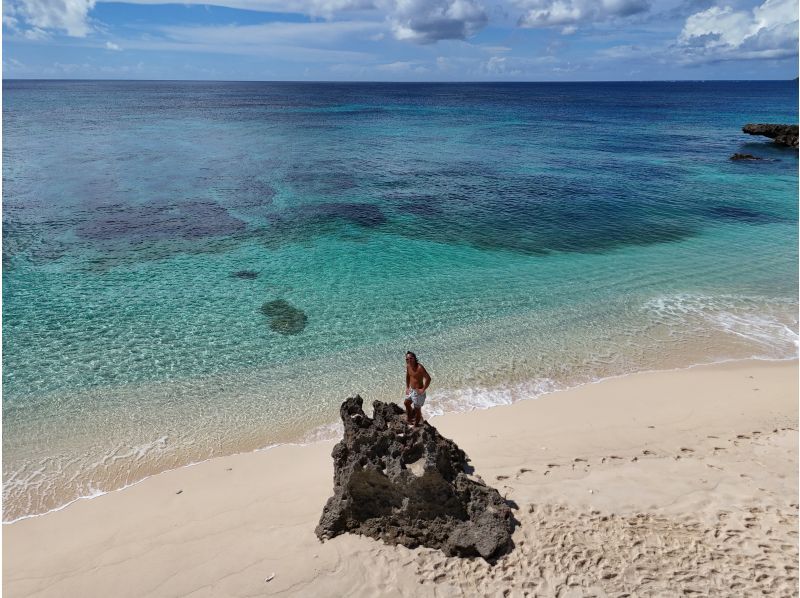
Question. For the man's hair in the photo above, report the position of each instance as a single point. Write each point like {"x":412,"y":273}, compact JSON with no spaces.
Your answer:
{"x":412,"y":355}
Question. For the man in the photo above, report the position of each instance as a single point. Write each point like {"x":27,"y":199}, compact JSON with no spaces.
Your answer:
{"x":417,"y":382}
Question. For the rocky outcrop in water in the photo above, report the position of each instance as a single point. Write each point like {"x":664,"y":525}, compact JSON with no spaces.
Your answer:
{"x":245,"y":274}
{"x":781,"y":134}
{"x":410,"y":486}
{"x":284,"y":317}
{"x":738,"y":157}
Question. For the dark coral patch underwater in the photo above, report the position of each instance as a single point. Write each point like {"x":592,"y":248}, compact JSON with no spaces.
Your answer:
{"x":245,"y":274}
{"x":284,"y":318}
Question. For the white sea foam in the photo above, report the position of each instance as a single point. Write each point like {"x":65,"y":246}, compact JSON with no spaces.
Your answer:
{"x":137,"y":452}
{"x":459,"y":400}
{"x":765,"y":330}
{"x":332,"y":431}
{"x":769,"y":325}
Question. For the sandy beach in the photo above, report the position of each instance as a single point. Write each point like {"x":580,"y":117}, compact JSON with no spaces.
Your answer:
{"x":665,"y":484}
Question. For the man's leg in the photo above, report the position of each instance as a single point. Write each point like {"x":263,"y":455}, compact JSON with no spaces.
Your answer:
{"x":417,"y":415}
{"x":409,"y":412}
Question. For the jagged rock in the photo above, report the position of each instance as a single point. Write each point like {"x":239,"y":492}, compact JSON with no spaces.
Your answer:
{"x":410,"y":486}
{"x":284,"y":317}
{"x":745,"y":157}
{"x":782,"y":134}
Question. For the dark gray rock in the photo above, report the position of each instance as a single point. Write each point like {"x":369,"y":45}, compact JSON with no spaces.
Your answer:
{"x":737,"y":157}
{"x":284,"y":317}
{"x":781,"y":134}
{"x":410,"y":486}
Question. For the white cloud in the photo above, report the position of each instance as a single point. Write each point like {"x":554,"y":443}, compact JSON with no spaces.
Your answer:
{"x":70,"y":16}
{"x":317,"y":33}
{"x":569,"y":14}
{"x":35,"y":34}
{"x":10,"y":21}
{"x":420,"y":21}
{"x":83,"y":70}
{"x":112,"y":46}
{"x":515,"y":66}
{"x":428,"y":21}
{"x":625,"y":51}
{"x":293,"y":42}
{"x":722,"y":33}
{"x":403,"y":66}
{"x":315,"y":8}
{"x":499,"y":65}
{"x":494,"y":49}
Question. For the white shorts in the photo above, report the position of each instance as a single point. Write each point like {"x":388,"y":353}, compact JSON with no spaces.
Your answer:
{"x":417,"y":398}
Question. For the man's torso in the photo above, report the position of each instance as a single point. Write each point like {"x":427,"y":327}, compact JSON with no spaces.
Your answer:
{"x":415,"y":375}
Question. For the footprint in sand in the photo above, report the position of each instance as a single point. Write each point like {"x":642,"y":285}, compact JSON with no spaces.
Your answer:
{"x":686,"y":450}
{"x":647,"y":452}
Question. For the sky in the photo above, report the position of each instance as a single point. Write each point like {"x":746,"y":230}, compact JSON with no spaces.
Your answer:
{"x":401,"y":40}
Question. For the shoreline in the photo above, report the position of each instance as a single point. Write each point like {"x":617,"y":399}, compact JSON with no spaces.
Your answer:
{"x":335,"y":433}
{"x":251,"y":508}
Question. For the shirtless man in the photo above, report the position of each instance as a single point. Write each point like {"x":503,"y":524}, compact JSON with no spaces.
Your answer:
{"x":417,"y":382}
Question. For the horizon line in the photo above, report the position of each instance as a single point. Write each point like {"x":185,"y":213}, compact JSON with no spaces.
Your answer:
{"x":485,"y":82}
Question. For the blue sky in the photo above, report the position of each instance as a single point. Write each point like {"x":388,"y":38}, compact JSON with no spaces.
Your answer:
{"x":402,"y":40}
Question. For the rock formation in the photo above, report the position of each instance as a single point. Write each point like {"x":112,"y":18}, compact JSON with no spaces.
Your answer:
{"x":284,"y":317}
{"x":410,"y":486}
{"x":738,"y":157}
{"x":781,"y":134}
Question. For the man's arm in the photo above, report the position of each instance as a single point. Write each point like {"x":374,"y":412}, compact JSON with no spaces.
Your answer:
{"x":426,"y":379}
{"x":408,"y":381}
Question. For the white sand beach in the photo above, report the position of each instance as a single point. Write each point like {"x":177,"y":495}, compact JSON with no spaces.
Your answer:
{"x":655,"y":484}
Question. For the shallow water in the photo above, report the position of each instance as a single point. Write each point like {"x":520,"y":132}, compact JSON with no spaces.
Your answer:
{"x":195,"y":269}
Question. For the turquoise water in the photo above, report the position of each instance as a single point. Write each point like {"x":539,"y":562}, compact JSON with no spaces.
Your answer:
{"x":520,"y":238}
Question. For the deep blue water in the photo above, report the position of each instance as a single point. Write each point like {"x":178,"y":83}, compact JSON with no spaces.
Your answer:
{"x":520,"y":237}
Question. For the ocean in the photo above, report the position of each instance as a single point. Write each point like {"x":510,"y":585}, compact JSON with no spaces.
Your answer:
{"x":195,"y":269}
